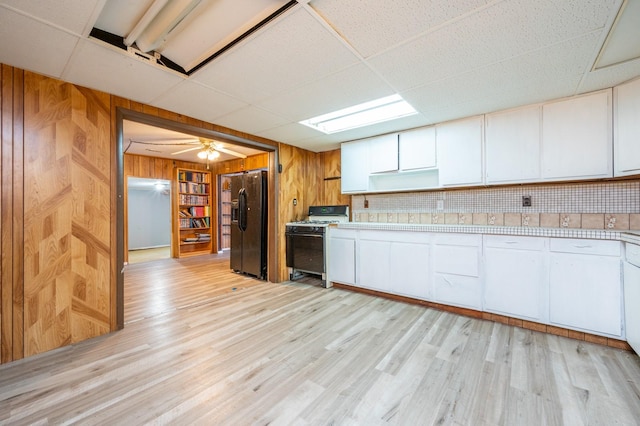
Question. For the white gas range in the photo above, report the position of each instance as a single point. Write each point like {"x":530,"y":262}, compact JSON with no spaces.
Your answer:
{"x":307,"y":247}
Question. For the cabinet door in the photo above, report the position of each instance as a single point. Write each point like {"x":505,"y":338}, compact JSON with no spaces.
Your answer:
{"x":383,"y":153}
{"x":515,"y":282}
{"x":373,"y":265}
{"x":585,"y":293}
{"x":626,"y":134}
{"x":342,"y":260}
{"x":409,"y":272}
{"x":576,"y":137}
{"x":513,"y":145}
{"x":460,"y":152}
{"x":417,"y":149}
{"x":354,"y":166}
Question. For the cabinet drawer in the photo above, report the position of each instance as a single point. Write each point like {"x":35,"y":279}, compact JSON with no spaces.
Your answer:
{"x":516,"y":243}
{"x":579,"y":246}
{"x":474,"y":240}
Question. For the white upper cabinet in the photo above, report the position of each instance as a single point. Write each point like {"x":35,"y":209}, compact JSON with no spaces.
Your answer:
{"x":355,"y":166}
{"x":460,"y":152}
{"x":383,"y":153}
{"x":417,"y":149}
{"x":512,"y":141}
{"x":577,"y":137}
{"x":626,"y":133}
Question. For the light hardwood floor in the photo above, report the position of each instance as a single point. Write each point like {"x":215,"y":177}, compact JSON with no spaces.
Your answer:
{"x":225,"y":349}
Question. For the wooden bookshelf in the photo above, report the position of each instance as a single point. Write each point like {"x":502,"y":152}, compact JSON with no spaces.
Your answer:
{"x":193,"y":213}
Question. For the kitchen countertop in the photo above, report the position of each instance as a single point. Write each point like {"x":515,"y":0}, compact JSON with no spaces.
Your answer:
{"x":595,"y":234}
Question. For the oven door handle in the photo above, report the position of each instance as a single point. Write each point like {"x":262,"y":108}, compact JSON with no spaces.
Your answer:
{"x":294,"y":234}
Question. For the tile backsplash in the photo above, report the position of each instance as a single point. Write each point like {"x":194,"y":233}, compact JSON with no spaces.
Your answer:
{"x":601,"y":205}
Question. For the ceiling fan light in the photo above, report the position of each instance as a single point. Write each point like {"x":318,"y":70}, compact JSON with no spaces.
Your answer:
{"x":202,"y":154}
{"x":213,"y":155}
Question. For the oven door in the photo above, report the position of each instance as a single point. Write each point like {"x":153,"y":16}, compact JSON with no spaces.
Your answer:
{"x":305,"y":252}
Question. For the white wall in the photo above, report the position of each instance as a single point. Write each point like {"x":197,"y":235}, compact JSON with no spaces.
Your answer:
{"x":149,"y":218}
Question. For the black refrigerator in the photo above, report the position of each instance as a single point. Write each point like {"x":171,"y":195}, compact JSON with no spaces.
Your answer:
{"x":249,"y":223}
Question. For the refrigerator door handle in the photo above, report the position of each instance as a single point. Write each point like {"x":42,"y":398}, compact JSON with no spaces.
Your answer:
{"x":242,"y":205}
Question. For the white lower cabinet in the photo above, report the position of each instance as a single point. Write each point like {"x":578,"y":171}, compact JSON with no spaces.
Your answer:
{"x":410,"y":269}
{"x":515,"y":279}
{"x":570,"y":283}
{"x":342,"y":256}
{"x":373,"y":268}
{"x":456,"y":267}
{"x":394,"y":262}
{"x":585,"y":289}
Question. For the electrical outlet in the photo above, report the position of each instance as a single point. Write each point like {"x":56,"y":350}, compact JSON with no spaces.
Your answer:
{"x":526,"y":201}
{"x":440,"y":205}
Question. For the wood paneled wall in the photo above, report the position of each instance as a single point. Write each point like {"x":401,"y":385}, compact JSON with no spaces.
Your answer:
{"x":58,"y":207}
{"x":331,"y":195}
{"x":67,"y":213}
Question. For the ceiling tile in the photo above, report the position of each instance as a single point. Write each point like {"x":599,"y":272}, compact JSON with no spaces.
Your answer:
{"x":251,"y":120}
{"x":289,"y":133}
{"x":295,"y":50}
{"x":111,"y":70}
{"x":374,"y":26}
{"x":506,"y":30}
{"x":76,"y":16}
{"x":534,"y":77}
{"x":343,"y":89}
{"x":197,"y":101}
{"x":32,"y":45}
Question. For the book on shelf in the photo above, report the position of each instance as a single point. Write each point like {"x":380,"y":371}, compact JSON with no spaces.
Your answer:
{"x":200,"y":222}
{"x":202,"y":200}
{"x":194,"y":188}
{"x":184,"y":175}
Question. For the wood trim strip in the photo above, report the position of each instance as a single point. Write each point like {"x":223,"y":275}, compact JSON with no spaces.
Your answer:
{"x":18,"y":215}
{"x":6,"y":218}
{"x":529,"y":325}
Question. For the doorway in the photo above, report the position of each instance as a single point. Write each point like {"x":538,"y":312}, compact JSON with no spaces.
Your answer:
{"x":148,"y":219}
{"x":156,"y":146}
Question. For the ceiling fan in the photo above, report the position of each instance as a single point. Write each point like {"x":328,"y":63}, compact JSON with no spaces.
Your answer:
{"x":209,"y":149}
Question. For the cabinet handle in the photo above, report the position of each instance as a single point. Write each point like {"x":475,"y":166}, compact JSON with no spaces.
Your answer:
{"x":511,"y":242}
{"x":583,"y":246}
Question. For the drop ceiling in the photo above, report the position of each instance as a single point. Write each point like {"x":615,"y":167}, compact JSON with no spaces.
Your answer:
{"x":448,"y":59}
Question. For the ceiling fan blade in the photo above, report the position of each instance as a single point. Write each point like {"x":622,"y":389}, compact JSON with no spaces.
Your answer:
{"x":230,"y":152}
{"x":186,"y":150}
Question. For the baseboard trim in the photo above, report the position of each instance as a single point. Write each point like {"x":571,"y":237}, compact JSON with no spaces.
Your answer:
{"x":517,"y":322}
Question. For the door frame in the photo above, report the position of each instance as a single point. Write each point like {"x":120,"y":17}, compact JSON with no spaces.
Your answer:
{"x":119,"y":193}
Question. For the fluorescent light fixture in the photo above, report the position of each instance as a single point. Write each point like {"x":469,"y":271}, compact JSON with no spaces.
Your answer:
{"x":366,"y":114}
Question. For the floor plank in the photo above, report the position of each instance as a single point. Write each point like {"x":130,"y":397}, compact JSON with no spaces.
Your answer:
{"x":202,"y":345}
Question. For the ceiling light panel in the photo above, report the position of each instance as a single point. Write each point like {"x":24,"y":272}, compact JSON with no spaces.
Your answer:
{"x":214,"y":25}
{"x":361,"y":115}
